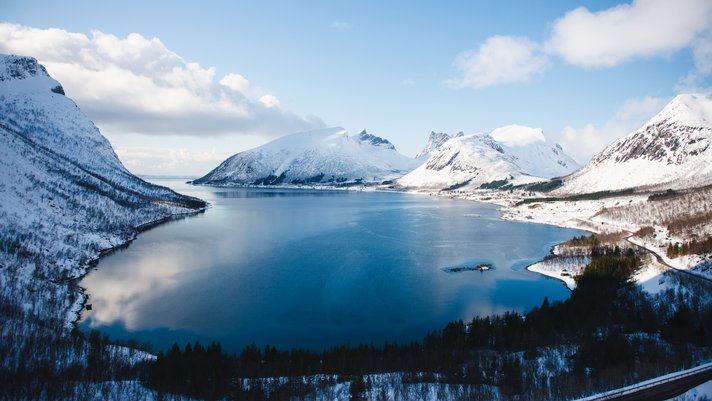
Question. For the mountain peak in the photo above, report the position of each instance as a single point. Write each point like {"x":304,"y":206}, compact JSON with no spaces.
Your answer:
{"x":20,"y":67}
{"x":26,"y":74}
{"x":435,"y":140}
{"x":672,"y":150}
{"x":374,"y":140}
{"x":691,"y":109}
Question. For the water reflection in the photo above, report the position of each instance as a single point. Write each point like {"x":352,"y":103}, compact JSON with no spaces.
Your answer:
{"x":249,"y":193}
{"x":315,"y":268}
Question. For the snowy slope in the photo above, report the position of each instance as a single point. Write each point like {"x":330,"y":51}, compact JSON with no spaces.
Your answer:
{"x":533,"y":155}
{"x":64,"y":198}
{"x":672,"y":150}
{"x":323,"y":156}
{"x":470,"y":161}
{"x":435,"y":140}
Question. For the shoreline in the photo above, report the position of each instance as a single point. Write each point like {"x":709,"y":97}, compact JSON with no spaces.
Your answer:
{"x":569,"y":282}
{"x":74,"y":314}
{"x":581,"y":215}
{"x":484,"y":196}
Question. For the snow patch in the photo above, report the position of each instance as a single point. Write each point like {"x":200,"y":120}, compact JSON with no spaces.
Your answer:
{"x":518,"y":135}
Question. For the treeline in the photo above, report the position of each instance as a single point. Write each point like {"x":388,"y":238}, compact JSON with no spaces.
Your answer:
{"x":597,"y":242}
{"x":604,"y":306}
{"x":693,"y":247}
{"x":584,"y":240}
{"x":578,"y":197}
{"x":86,"y":359}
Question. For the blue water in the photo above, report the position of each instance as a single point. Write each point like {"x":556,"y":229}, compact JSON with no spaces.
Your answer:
{"x":304,"y":268}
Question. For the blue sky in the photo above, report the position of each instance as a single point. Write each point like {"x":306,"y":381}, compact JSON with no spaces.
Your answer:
{"x":585,"y":72}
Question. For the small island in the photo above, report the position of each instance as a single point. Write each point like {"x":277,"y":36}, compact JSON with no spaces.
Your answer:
{"x":480,"y":267}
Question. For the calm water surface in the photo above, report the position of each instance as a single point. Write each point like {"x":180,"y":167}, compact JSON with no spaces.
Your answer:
{"x":301,"y":268}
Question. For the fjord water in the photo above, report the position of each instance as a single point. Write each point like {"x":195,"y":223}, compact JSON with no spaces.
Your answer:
{"x":315,"y":268}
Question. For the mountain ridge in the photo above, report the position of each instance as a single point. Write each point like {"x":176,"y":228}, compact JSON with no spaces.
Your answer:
{"x":475,"y":160}
{"x":323,"y":156}
{"x":435,"y":140}
{"x":673,"y":150}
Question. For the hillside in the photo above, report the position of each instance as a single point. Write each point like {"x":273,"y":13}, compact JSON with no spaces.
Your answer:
{"x":64,"y":199}
{"x":478,"y":160}
{"x":435,"y":140}
{"x":672,"y":150}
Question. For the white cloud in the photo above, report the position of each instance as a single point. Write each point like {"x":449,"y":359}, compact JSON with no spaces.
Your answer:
{"x":136,"y":84}
{"x":696,"y":81}
{"x":500,"y":60}
{"x":584,"y":142}
{"x":637,"y":111}
{"x":236,"y":82}
{"x":169,"y":161}
{"x":606,"y":38}
{"x":269,"y":100}
{"x":702,"y":52}
{"x":644,"y":28}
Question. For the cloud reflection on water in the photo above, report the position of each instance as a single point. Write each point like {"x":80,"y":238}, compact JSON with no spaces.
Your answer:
{"x":304,"y":269}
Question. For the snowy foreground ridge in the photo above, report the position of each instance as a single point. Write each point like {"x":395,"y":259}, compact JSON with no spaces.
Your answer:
{"x":64,"y":199}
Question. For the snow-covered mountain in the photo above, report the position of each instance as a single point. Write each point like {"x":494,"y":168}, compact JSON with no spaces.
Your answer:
{"x":325,"y":156}
{"x":435,"y":140}
{"x":471,"y":161}
{"x":672,"y":150}
{"x":64,"y":198}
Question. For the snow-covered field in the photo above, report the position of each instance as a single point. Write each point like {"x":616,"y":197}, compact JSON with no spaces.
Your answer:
{"x":561,"y":268}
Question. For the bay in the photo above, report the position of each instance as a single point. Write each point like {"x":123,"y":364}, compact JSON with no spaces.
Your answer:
{"x":316,"y":268}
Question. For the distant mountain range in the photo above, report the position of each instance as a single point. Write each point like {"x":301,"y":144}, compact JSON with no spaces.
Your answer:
{"x":672,"y":150}
{"x":333,"y":157}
